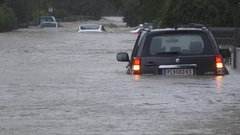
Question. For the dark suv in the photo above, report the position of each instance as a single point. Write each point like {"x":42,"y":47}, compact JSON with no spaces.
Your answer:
{"x":182,"y":51}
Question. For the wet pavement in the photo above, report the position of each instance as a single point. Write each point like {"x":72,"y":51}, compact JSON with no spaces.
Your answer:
{"x":60,"y":82}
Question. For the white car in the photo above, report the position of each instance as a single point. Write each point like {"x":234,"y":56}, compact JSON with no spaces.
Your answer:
{"x":137,"y":29}
{"x":49,"y":25}
{"x":47,"y":21}
{"x":91,"y":28}
{"x":140,"y":27}
{"x":42,"y":19}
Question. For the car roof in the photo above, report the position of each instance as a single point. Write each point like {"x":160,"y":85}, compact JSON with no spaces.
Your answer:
{"x":46,"y":16}
{"x":91,"y":24}
{"x":155,"y":31}
{"x":91,"y":28}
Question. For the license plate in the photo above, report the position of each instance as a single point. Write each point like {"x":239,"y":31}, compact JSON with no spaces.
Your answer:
{"x":177,"y":72}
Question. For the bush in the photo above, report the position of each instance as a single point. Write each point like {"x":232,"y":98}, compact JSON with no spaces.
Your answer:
{"x":61,"y":13}
{"x":8,"y":19}
{"x":36,"y":14}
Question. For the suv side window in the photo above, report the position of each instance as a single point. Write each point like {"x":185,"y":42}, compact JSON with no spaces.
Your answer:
{"x":137,"y":44}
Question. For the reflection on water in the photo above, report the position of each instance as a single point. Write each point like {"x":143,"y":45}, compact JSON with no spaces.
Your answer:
{"x":136,"y":77}
{"x":216,"y":84}
{"x":219,"y":84}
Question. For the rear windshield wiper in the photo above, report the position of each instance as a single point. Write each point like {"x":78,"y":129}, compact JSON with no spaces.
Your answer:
{"x":172,"y":53}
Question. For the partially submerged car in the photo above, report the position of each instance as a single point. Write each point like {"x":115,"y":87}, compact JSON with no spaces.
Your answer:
{"x":42,"y":19}
{"x":49,"y":25}
{"x":47,"y":21}
{"x":136,"y":30}
{"x":179,"y":51}
{"x":91,"y":28}
{"x":140,"y":27}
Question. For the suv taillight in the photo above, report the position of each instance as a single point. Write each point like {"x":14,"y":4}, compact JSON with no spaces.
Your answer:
{"x":219,"y":62}
{"x":136,"y":65}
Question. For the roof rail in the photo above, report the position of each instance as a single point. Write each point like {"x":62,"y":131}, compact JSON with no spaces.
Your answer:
{"x":205,"y":28}
{"x":195,"y":25}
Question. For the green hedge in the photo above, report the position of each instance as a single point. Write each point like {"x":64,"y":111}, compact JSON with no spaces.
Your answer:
{"x":8,"y":19}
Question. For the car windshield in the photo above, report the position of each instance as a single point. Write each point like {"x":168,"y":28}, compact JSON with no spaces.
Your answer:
{"x":177,"y":44}
{"x":46,"y":19}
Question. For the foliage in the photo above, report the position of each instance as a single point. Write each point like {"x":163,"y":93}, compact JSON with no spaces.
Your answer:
{"x":7,"y":19}
{"x":36,"y":14}
{"x":21,"y":8}
{"x":132,"y":14}
{"x":150,"y":9}
{"x":166,"y":13}
{"x":92,"y":8}
{"x":211,"y":13}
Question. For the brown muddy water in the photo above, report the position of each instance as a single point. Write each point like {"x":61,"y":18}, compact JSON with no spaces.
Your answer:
{"x":60,"y":82}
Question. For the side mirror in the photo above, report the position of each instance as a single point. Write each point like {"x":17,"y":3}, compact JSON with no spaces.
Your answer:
{"x":225,"y":53}
{"x":123,"y":57}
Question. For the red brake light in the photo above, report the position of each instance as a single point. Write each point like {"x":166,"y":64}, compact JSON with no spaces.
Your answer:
{"x":136,"y":65}
{"x":219,"y":61}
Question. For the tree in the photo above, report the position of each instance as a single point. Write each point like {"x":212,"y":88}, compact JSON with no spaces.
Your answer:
{"x":132,"y":12}
{"x":150,"y":9}
{"x":7,"y":19}
{"x":234,"y":10}
{"x":21,"y":10}
{"x":207,"y":12}
{"x":84,"y":7}
{"x":141,"y":11}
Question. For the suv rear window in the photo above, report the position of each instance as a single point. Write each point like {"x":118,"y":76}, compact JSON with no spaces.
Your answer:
{"x":181,"y":44}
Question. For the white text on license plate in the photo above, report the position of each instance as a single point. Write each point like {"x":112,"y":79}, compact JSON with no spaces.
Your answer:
{"x":177,"y":72}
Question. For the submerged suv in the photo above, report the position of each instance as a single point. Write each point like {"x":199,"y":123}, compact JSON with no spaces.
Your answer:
{"x":182,"y":51}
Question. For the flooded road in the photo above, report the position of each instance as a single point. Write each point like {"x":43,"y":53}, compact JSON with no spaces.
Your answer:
{"x":59,"y":82}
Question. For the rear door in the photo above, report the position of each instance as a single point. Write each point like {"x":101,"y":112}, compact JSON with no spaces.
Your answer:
{"x":178,"y":53}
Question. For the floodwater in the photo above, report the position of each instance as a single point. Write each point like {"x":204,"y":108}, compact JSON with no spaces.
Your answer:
{"x":60,"y":82}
